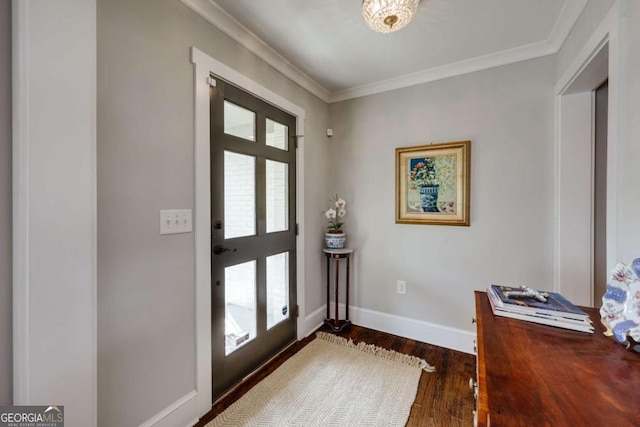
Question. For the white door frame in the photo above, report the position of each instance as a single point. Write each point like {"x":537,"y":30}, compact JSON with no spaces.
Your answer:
{"x":567,"y":261}
{"x":205,"y":66}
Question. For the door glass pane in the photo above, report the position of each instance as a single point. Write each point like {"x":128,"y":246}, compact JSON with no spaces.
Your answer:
{"x":277,"y":196}
{"x":277,"y":135}
{"x":240,"y":305}
{"x":239,"y":195}
{"x":239,"y":121}
{"x":277,"y":289}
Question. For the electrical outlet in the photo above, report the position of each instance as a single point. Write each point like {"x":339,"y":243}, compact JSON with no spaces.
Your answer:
{"x":175,"y":221}
{"x":402,"y":287}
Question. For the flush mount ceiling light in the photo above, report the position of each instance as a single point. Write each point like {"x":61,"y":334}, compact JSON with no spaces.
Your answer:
{"x":386,"y":16}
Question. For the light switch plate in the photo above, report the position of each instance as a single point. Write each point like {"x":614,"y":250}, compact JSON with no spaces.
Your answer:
{"x":401,"y":287}
{"x":174,"y":221}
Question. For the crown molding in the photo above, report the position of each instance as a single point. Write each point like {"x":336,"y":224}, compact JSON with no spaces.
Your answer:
{"x":568,"y":17}
{"x":226,"y":23}
{"x":510,"y":56}
{"x":234,"y":29}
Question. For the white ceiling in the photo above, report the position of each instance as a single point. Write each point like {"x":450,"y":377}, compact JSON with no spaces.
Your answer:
{"x":326,"y":47}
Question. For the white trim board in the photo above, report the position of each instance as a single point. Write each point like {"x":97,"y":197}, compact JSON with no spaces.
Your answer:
{"x":55,"y":246}
{"x":419,"y":330}
{"x":568,"y":17}
{"x":21,"y":142}
{"x":160,"y":416}
{"x":590,"y":49}
{"x":314,"y":320}
{"x":485,"y":62}
{"x":607,"y":33}
{"x":217,"y":16}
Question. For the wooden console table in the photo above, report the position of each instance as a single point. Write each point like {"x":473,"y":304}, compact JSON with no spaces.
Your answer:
{"x":336,"y":324}
{"x":536,"y":375}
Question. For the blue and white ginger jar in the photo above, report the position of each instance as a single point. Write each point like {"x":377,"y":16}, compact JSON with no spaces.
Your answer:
{"x":335,"y":240}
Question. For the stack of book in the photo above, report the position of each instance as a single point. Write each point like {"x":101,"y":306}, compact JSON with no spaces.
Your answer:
{"x":555,"y":311}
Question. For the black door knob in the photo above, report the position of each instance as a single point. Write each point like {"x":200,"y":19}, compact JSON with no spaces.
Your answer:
{"x":219,"y":250}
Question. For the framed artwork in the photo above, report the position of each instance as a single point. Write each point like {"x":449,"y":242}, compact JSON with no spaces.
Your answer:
{"x":432,"y":184}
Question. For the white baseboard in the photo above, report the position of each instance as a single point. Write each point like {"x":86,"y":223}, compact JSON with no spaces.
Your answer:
{"x":166,"y":412}
{"x":419,"y":330}
{"x":313,"y":321}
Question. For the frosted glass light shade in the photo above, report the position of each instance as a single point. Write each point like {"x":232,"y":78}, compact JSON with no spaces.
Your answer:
{"x":386,"y":16}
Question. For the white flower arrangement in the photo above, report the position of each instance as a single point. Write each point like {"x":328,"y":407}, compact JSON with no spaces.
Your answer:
{"x":334,"y":215}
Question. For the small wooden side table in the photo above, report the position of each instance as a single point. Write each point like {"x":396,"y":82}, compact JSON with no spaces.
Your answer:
{"x":336,"y":324}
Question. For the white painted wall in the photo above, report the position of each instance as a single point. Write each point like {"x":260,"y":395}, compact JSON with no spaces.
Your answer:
{"x":6,"y":336}
{"x":628,"y":178}
{"x":146,"y":283}
{"x":507,"y":113}
{"x":54,"y":78}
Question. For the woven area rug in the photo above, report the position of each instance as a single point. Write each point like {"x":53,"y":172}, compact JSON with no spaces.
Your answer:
{"x":332,"y":382}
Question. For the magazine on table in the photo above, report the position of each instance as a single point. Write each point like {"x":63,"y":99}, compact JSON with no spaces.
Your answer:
{"x":555,"y":304}
{"x":543,"y":319}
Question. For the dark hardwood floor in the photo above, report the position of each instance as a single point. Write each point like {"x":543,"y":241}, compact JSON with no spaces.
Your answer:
{"x":443,"y":398}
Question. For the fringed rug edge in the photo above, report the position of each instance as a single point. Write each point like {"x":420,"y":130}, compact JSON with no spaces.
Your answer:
{"x":377,"y":351}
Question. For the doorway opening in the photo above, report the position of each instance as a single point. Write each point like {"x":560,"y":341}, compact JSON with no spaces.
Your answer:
{"x":600,"y":131}
{"x":582,"y":182}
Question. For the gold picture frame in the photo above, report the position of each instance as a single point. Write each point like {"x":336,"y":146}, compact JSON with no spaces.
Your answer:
{"x":433,"y":184}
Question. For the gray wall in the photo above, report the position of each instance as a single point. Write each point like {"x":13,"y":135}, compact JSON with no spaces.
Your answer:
{"x":507,"y":113}
{"x":146,"y":290}
{"x":6,"y":340}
